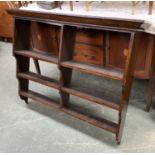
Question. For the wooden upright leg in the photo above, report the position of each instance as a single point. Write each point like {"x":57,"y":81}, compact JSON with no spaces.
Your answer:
{"x":22,"y":42}
{"x":66,"y":75}
{"x":66,"y":53}
{"x":23,"y":64}
{"x":126,"y":85}
{"x":150,"y":91}
{"x":151,"y":84}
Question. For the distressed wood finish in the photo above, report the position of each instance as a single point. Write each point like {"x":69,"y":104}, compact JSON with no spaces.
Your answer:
{"x":151,"y":84}
{"x":64,"y":57}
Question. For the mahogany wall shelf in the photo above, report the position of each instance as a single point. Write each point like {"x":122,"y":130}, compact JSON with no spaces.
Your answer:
{"x":56,"y":44}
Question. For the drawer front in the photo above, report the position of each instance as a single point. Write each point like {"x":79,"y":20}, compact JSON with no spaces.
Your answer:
{"x":88,"y":54}
{"x":93,"y":37}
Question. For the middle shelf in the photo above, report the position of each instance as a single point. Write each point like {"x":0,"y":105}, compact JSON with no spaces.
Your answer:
{"x":93,"y":96}
{"x":94,"y":69}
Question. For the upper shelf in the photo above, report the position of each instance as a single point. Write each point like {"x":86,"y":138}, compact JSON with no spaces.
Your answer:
{"x":44,"y":56}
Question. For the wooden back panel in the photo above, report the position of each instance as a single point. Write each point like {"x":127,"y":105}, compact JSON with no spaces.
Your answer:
{"x":45,"y":37}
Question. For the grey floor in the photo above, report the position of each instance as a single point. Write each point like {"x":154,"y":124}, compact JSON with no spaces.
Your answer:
{"x":38,"y":128}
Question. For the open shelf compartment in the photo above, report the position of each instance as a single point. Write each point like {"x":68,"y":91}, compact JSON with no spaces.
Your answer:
{"x":101,"y":123}
{"x":39,"y":98}
{"x":39,"y":79}
{"x":94,"y":96}
{"x":38,"y":40}
{"x":94,"y":69}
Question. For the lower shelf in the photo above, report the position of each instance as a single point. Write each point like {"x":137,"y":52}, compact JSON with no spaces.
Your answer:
{"x":94,"y":97}
{"x":101,"y":123}
{"x":39,"y":98}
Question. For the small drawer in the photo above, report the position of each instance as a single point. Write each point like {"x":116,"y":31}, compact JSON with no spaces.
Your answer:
{"x":89,"y":54}
{"x":93,"y":37}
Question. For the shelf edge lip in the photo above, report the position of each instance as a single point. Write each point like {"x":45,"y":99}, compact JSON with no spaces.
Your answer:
{"x":20,"y":52}
{"x":110,"y":128}
{"x":51,"y":85}
{"x":115,"y":77}
{"x":48,"y":101}
{"x":82,"y":94}
{"x":105,"y":22}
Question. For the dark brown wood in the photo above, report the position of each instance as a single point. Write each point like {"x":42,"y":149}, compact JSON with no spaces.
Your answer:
{"x":101,"y":123}
{"x":127,"y":83}
{"x":106,"y":23}
{"x":22,"y":40}
{"x":38,"y":55}
{"x":44,"y":37}
{"x":94,"y":97}
{"x":92,"y":69}
{"x":37,"y":66}
{"x":23,"y":66}
{"x":64,"y":58}
{"x":66,"y":53}
{"x":151,"y":84}
{"x":39,"y":79}
{"x":39,"y":98}
{"x":86,"y":38}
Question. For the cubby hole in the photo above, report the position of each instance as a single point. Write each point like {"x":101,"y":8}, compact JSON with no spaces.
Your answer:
{"x":38,"y":40}
{"x":81,"y":85}
{"x":49,"y":70}
{"x":46,"y":91}
{"x":86,"y":57}
{"x":90,"y":46}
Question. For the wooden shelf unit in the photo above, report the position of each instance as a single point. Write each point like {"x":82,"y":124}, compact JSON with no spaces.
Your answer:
{"x":62,"y":55}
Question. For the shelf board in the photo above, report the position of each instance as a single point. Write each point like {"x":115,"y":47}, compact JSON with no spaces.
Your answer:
{"x":39,"y":79}
{"x":39,"y":98}
{"x":93,"y":69}
{"x":101,"y":123}
{"x":93,"y":97}
{"x":44,"y":56}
